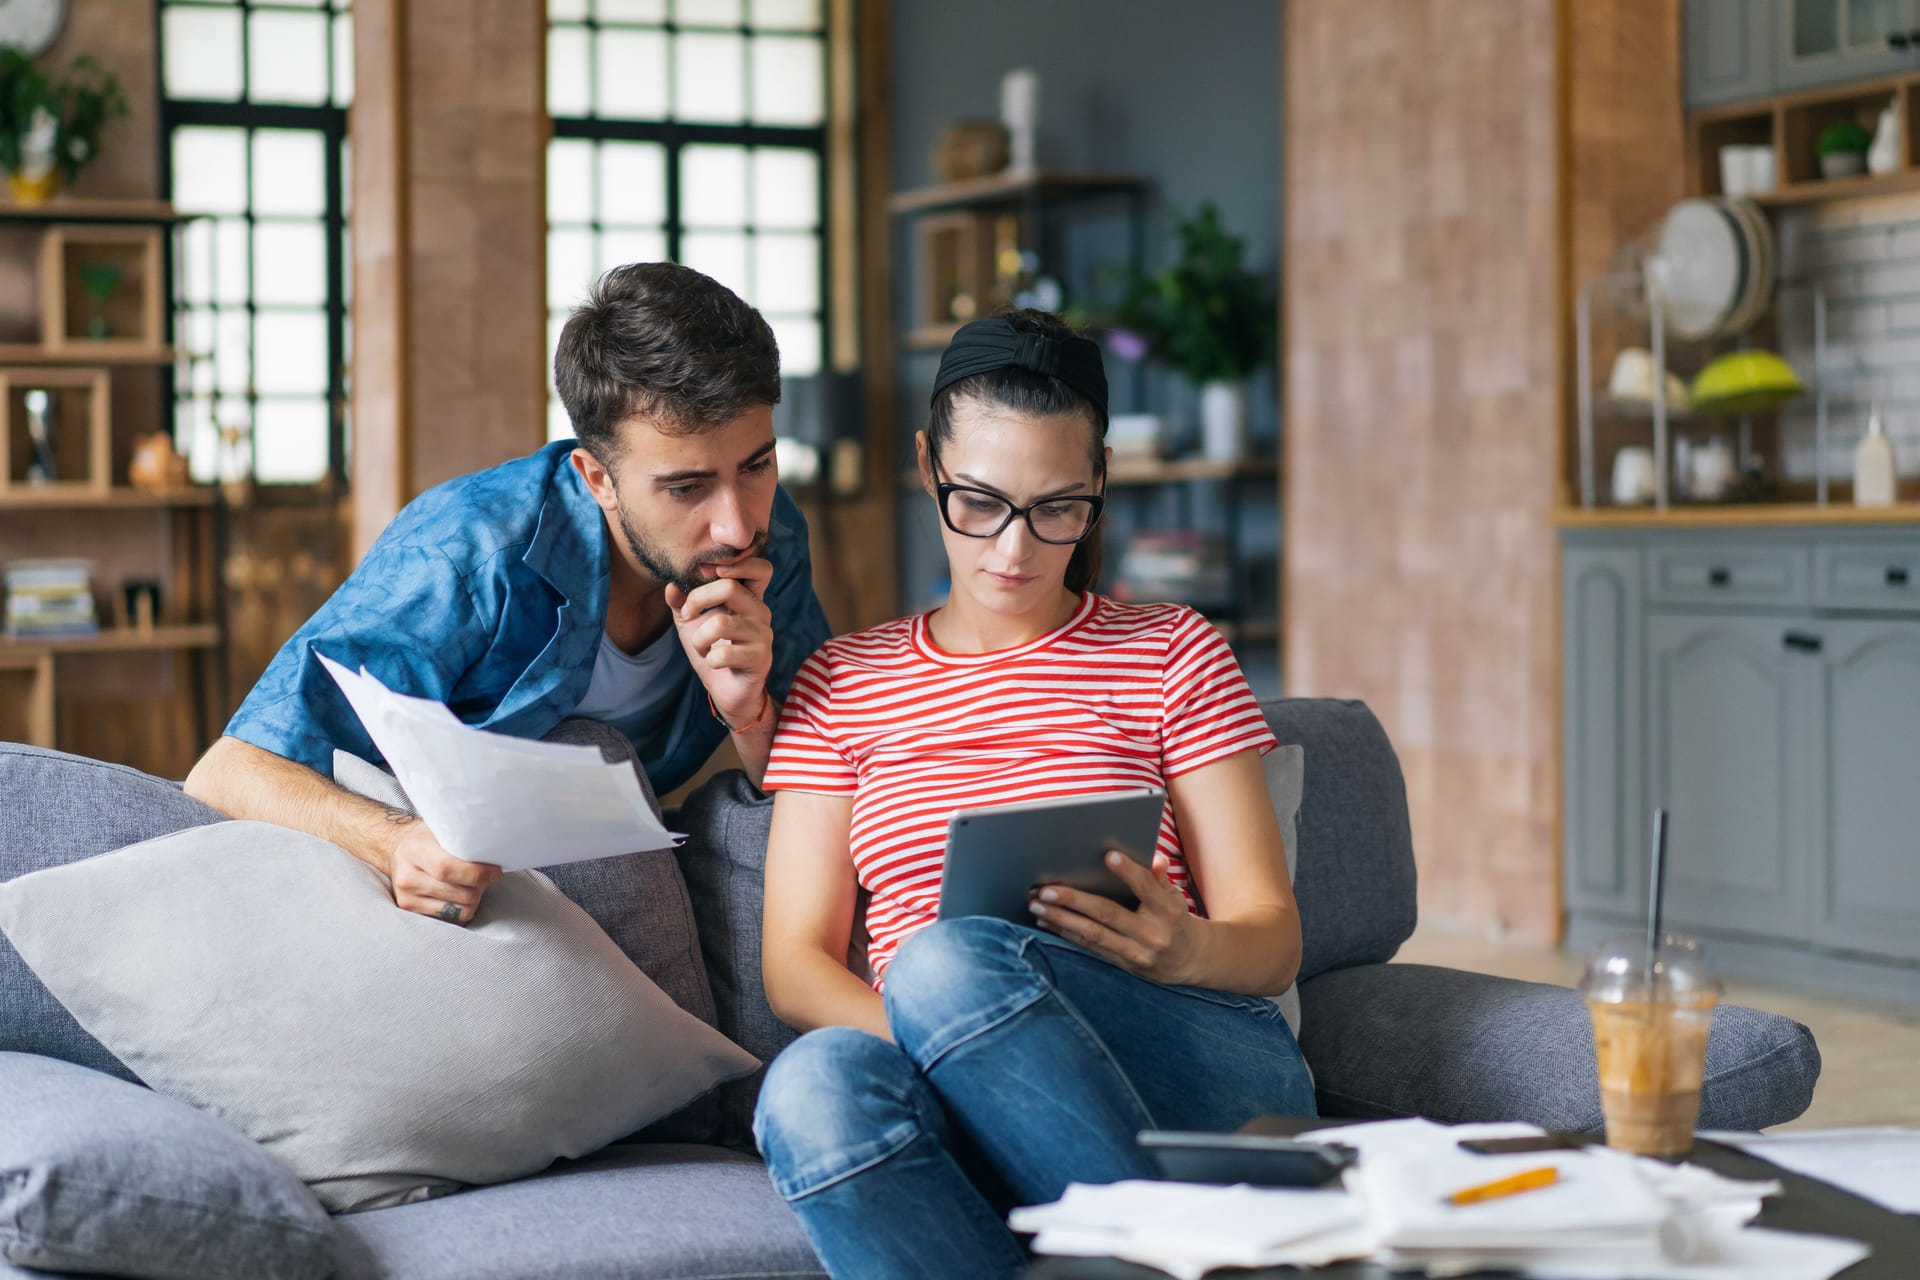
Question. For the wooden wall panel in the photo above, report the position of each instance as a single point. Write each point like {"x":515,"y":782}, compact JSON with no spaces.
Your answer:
{"x":1625,"y":167}
{"x":450,"y":131}
{"x":1423,"y":356}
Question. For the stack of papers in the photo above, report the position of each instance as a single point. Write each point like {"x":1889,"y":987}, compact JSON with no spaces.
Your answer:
{"x":491,"y":798}
{"x":1187,"y":1230}
{"x":1607,"y":1216}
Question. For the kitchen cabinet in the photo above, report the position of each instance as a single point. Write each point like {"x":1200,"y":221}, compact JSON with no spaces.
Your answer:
{"x":1728,"y":54}
{"x":1603,"y":817}
{"x":1763,"y":686}
{"x":1818,"y":42}
{"x":1735,"y":50}
{"x":1868,"y":697}
{"x":1727,"y":755}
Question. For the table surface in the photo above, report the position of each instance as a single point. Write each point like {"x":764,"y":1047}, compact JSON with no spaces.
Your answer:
{"x":1804,"y":1204}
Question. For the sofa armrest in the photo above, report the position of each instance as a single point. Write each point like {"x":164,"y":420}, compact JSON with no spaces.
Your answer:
{"x":1409,"y":1039}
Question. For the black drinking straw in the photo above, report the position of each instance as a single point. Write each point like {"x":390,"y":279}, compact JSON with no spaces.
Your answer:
{"x":1656,"y":894}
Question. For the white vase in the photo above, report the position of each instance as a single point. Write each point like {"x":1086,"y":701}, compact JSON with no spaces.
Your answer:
{"x":1223,"y":421}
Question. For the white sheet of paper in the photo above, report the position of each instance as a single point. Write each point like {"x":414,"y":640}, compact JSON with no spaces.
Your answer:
{"x":1189,"y":1229}
{"x":488,"y":797}
{"x":1880,"y":1164}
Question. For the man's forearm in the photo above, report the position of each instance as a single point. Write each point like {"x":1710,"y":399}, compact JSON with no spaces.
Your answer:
{"x":248,"y":782}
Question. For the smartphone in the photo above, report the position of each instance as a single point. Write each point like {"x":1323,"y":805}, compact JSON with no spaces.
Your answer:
{"x":1231,"y":1158}
{"x":1522,"y":1145}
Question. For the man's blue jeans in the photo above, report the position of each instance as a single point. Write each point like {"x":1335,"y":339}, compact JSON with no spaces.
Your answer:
{"x":1021,"y":1063}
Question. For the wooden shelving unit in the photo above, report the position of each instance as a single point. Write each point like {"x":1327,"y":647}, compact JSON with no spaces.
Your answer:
{"x":56,"y":498}
{"x":34,"y":353}
{"x":1792,"y":123}
{"x":1012,"y":188}
{"x":188,"y":522}
{"x":159,"y":639}
{"x":94,"y":209}
{"x":1136,"y":471}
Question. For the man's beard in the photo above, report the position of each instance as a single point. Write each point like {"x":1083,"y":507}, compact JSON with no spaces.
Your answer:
{"x":687,"y":576}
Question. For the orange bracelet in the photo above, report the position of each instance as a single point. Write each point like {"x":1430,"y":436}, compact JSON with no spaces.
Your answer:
{"x":766,"y":705}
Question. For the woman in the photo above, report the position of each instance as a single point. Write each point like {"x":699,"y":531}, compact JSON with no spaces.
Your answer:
{"x":989,"y":1064}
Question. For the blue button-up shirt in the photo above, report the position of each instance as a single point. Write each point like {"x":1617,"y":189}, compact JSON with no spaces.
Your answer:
{"x":489,"y":593}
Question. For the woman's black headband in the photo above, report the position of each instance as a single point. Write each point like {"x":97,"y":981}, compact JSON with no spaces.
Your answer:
{"x":981,"y":346}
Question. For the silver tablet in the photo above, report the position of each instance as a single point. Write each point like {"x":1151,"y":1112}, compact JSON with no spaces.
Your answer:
{"x":996,"y":856}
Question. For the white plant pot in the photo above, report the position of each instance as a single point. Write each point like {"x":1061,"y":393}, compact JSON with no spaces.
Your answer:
{"x":1223,"y":421}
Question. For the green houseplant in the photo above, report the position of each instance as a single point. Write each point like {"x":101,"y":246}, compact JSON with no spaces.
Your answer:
{"x":50,"y":130}
{"x":1211,"y":320}
{"x":1842,"y":147}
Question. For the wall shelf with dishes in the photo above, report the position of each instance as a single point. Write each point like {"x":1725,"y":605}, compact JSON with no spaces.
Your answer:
{"x":1700,"y":287}
{"x":1853,"y":139}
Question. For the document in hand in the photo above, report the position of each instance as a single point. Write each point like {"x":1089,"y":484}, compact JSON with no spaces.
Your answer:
{"x":491,"y":798}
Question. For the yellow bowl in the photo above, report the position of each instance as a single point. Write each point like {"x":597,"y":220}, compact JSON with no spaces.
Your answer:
{"x":1745,"y":382}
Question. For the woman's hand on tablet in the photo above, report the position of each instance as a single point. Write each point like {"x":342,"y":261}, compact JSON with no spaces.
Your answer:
{"x":1158,"y":940}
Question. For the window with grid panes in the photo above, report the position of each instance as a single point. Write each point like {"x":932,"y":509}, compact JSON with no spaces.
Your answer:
{"x":253,"y":112}
{"x":690,"y":130}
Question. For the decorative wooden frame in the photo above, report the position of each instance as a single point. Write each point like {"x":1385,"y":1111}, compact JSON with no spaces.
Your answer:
{"x":956,"y":260}
{"x":99,"y":438}
{"x":59,"y":288}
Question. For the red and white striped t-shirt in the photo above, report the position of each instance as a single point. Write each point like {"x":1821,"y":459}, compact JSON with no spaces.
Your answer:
{"x":1121,"y":696}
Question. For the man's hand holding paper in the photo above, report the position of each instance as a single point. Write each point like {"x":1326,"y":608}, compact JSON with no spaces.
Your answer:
{"x":490,"y":803}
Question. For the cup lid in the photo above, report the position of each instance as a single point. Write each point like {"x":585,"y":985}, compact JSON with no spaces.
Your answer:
{"x":1617,"y":970}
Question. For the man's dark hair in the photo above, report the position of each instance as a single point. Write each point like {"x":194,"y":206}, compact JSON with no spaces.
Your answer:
{"x":662,"y":340}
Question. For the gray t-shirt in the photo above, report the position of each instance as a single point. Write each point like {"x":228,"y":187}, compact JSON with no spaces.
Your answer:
{"x":635,"y":692}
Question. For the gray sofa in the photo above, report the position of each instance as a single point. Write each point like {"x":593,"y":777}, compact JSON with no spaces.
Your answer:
{"x":1382,"y":1039}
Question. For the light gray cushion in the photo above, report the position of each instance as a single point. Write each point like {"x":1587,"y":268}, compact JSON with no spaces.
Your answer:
{"x":1409,"y":1039}
{"x":265,"y":976}
{"x":103,"y":1177}
{"x":1355,"y":880}
{"x":636,"y":1213}
{"x":59,"y":808}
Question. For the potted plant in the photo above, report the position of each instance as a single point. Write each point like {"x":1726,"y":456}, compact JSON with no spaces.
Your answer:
{"x":1842,"y":147}
{"x":1211,"y":320}
{"x":50,"y":130}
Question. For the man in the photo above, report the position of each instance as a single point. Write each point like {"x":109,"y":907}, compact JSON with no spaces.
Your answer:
{"x":651,"y":575}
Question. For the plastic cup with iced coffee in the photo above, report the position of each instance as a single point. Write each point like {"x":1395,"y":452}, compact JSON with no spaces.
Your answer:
{"x":1650,"y":1026}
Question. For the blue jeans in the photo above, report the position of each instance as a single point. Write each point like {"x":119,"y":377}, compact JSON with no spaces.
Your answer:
{"x":1021,"y":1063}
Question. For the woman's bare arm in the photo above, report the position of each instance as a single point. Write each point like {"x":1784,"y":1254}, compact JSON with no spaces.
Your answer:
{"x":808,"y":918}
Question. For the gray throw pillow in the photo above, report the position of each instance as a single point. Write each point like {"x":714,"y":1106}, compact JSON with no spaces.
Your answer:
{"x":265,"y":976}
{"x":103,"y":1177}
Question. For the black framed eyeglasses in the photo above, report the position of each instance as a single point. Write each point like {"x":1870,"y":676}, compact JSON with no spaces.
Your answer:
{"x":981,"y":513}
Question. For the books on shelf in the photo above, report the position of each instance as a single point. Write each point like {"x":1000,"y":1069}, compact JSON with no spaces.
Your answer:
{"x":1176,"y":565}
{"x":50,"y":598}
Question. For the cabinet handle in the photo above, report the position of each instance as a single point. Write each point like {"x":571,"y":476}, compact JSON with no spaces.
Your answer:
{"x":1899,"y":39}
{"x":1802,"y":641}
{"x":1897,"y":575}
{"x":1719,"y":577}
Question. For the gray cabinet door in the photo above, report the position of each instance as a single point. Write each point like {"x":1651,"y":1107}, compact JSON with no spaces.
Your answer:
{"x":1730,"y":757}
{"x":1729,"y":50}
{"x":1829,"y":41}
{"x":1867,"y":891}
{"x":1603,"y":819}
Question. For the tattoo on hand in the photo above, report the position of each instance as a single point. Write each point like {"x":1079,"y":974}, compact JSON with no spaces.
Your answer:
{"x":398,"y":817}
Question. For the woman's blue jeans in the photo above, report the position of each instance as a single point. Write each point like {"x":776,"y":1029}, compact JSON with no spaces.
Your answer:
{"x":1021,"y":1063}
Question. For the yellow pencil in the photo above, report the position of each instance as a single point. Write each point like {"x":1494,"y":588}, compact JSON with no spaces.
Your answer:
{"x":1531,"y":1180}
